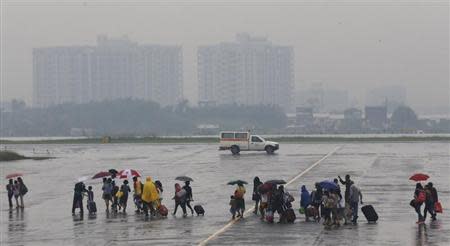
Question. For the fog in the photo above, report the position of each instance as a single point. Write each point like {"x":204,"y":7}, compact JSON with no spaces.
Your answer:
{"x":352,"y":45}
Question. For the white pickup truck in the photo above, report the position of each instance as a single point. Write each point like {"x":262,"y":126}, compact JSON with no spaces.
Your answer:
{"x":244,"y":141}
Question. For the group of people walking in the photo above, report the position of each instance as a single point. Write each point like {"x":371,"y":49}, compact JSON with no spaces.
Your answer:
{"x":147,"y":197}
{"x":17,"y":189}
{"x":425,"y":195}
{"x":269,"y":197}
{"x":329,"y":204}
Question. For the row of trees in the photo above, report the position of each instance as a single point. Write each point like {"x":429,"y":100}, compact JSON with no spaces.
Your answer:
{"x":134,"y":117}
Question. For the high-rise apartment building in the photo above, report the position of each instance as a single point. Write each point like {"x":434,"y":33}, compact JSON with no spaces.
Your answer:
{"x":250,"y":71}
{"x":115,"y":68}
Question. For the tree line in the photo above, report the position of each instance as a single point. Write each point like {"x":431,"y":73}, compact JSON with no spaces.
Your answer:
{"x":128,"y":117}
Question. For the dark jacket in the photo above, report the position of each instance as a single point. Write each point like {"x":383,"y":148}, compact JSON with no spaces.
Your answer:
{"x":316,"y":196}
{"x":434,"y":194}
{"x":10,"y":189}
{"x":79,"y":189}
{"x":90,"y":196}
{"x":256,"y":196}
{"x":188,"y":190}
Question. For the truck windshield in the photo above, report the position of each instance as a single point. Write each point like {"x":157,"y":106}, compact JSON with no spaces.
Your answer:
{"x":256,"y":139}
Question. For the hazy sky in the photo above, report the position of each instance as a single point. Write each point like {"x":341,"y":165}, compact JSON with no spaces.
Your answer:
{"x":352,"y":45}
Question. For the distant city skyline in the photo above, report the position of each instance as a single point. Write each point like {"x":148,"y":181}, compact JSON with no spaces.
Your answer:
{"x":113,"y":69}
{"x":346,"y":48}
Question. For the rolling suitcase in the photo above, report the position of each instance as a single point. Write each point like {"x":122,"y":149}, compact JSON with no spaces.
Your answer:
{"x":369,"y":213}
{"x":290,"y":215}
{"x":199,"y":210}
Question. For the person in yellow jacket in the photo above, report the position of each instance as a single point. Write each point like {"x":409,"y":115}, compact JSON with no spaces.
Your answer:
{"x":150,"y":196}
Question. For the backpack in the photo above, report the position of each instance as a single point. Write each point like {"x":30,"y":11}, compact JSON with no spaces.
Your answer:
{"x":23,"y":190}
{"x":421,"y":197}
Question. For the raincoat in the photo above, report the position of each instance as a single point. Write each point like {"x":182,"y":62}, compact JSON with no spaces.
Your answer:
{"x":305,"y":198}
{"x":149,"y":193}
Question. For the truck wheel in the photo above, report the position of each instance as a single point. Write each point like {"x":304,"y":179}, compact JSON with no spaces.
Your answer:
{"x":235,"y":149}
{"x":269,"y":149}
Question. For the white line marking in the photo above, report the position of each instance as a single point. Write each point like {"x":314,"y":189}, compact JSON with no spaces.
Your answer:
{"x":229,"y":224}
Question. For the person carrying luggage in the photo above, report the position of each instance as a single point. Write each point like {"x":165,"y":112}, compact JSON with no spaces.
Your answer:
{"x":419,"y":199}
{"x":189,"y":198}
{"x":278,"y":203}
{"x":429,"y":204}
{"x":150,"y":197}
{"x":355,"y":197}
{"x":434,"y":197}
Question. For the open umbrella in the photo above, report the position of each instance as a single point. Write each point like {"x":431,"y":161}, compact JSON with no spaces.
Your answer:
{"x":101,"y":175}
{"x":113,"y":172}
{"x":184,"y":178}
{"x":276,"y":181}
{"x":13,"y":175}
{"x":127,"y":173}
{"x":237,"y":182}
{"x":328,"y":185}
{"x":419,"y":177}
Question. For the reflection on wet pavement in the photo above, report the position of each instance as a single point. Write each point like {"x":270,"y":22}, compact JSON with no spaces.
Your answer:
{"x":380,"y":169}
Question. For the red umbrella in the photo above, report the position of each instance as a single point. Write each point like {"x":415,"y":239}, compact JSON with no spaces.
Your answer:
{"x":126,"y":173}
{"x":101,"y":175}
{"x":419,"y":177}
{"x":13,"y":175}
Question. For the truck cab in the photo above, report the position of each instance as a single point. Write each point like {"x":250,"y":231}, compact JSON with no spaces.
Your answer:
{"x":244,"y":141}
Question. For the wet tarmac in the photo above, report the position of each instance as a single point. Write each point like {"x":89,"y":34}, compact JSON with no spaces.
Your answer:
{"x":380,"y":169}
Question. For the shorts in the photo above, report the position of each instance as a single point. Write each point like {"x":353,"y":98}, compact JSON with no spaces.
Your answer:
{"x":107,"y":197}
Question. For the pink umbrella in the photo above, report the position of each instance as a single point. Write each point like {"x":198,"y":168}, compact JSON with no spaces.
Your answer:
{"x":127,"y":173}
{"x":101,"y":175}
{"x":13,"y":175}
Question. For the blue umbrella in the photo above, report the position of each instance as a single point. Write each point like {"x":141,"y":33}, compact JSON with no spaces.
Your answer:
{"x":328,"y":185}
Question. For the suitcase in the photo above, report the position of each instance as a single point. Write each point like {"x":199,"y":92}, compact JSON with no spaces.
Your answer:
{"x":290,"y":215}
{"x":199,"y":210}
{"x":92,"y":207}
{"x":163,"y":211}
{"x":369,"y":213}
{"x":269,"y":216}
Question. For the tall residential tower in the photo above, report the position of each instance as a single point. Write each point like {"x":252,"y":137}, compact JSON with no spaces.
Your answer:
{"x":115,"y":68}
{"x":250,"y":71}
